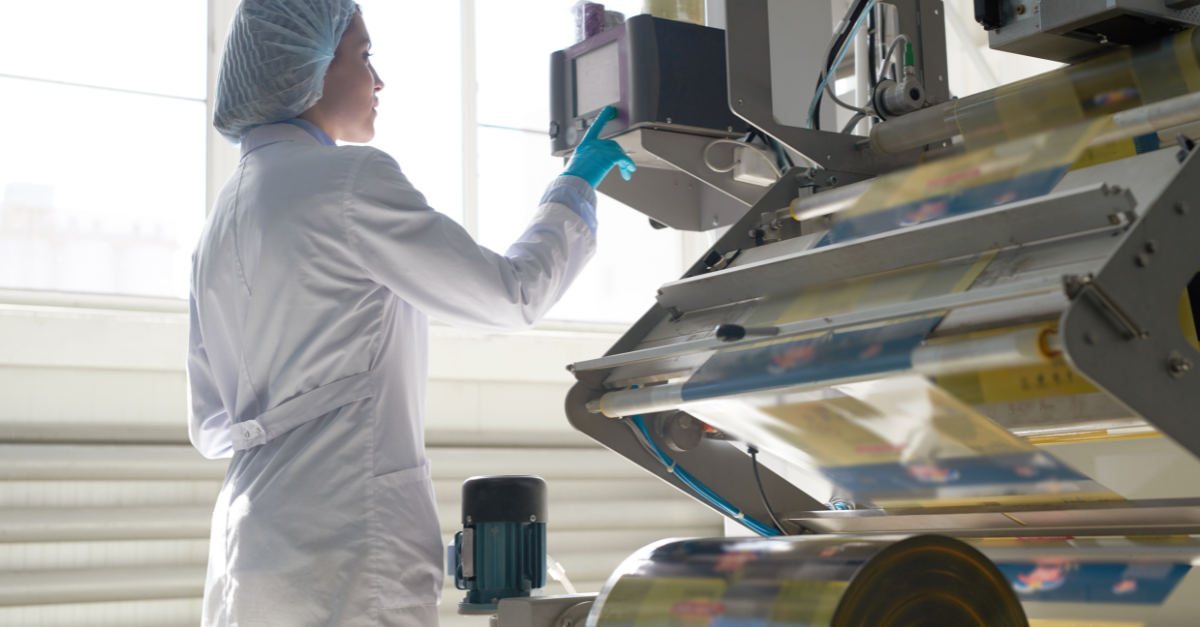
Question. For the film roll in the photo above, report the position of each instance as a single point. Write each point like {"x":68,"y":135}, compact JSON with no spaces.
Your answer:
{"x":821,"y":581}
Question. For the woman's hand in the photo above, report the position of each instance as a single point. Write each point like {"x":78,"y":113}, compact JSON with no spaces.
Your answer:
{"x":594,"y":157}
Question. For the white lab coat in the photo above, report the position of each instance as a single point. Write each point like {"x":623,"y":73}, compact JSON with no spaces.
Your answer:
{"x":307,"y":364}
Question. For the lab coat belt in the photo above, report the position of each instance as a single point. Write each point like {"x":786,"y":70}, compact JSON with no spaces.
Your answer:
{"x":301,"y":409}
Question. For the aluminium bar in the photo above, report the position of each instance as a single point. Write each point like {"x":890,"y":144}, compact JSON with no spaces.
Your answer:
{"x":983,"y":296}
{"x":1008,"y":350}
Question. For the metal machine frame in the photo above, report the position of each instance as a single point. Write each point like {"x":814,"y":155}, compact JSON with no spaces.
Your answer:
{"x":1116,"y":317}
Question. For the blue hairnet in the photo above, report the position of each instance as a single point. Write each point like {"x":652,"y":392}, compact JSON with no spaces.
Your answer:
{"x":273,"y":66}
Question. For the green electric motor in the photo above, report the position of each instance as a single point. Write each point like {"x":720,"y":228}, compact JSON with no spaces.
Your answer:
{"x":501,"y":551}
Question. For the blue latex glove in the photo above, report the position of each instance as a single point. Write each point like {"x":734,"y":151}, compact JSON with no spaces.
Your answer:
{"x":594,"y":157}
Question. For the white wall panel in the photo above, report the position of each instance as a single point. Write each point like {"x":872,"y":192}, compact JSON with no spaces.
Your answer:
{"x":103,"y":554}
{"x":94,"y":493}
{"x":149,"y":613}
{"x":63,"y":337}
{"x":40,"y":394}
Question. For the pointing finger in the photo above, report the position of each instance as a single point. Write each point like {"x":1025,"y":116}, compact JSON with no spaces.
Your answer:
{"x":606,"y":114}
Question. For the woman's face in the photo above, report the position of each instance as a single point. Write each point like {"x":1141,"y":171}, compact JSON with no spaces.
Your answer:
{"x":346,"y":110}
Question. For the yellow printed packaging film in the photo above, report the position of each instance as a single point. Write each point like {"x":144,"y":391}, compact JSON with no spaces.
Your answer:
{"x":1090,"y":90}
{"x":1101,"y":582}
{"x":1050,"y":379}
{"x":921,"y":581}
{"x":853,"y":352}
{"x":1026,"y":135}
{"x":1026,"y":167}
{"x":892,"y":439}
{"x":900,"y":442}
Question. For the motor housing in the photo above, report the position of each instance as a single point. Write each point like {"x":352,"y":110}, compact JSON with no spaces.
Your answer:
{"x":501,"y":551}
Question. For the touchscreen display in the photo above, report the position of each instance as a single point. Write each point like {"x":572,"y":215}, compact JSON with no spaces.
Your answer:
{"x":597,"y":79}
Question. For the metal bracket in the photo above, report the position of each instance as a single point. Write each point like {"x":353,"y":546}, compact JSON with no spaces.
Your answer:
{"x":748,"y":48}
{"x":1076,"y":286}
{"x":1138,"y":288}
{"x":716,"y":261}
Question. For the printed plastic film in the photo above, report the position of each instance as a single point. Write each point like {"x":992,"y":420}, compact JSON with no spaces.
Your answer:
{"x":823,"y":581}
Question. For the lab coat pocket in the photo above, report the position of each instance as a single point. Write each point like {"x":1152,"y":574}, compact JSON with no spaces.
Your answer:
{"x":406,"y":543}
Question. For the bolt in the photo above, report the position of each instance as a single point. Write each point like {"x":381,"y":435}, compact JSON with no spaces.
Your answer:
{"x":468,"y":519}
{"x":1142,"y":261}
{"x":533,"y":518}
{"x":1089,"y":338}
{"x":729,"y":128}
{"x":740,"y":103}
{"x":1181,"y":207}
{"x":1020,"y":9}
{"x":1178,"y":365}
{"x":1151,"y":246}
{"x":668,"y":120}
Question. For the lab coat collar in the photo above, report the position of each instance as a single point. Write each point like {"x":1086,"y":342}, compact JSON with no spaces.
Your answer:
{"x":268,"y":134}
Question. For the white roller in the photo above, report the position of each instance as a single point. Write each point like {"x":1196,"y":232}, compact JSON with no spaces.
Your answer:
{"x":1009,"y":350}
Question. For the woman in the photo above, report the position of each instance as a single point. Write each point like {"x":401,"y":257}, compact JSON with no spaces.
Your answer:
{"x":310,"y":289}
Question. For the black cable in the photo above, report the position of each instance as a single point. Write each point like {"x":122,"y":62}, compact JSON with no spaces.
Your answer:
{"x":873,"y":27}
{"x":831,"y":55}
{"x":770,"y":512}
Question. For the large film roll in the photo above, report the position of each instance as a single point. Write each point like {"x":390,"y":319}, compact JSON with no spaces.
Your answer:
{"x":821,"y":581}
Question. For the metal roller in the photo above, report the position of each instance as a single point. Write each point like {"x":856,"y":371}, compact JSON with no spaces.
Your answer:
{"x":822,"y":581}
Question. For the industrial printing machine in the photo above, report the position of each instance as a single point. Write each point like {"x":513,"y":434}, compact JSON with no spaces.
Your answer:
{"x":943,"y":368}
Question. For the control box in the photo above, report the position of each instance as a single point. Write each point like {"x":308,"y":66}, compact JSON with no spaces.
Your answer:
{"x":660,"y":74}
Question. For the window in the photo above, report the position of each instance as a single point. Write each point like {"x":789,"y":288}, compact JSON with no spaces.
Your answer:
{"x":482,"y":155}
{"x":512,"y":52}
{"x":418,"y":54}
{"x":103,"y":178}
{"x":102,"y":163}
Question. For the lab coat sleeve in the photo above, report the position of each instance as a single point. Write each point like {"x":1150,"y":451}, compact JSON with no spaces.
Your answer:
{"x":208,"y":422}
{"x":431,"y":262}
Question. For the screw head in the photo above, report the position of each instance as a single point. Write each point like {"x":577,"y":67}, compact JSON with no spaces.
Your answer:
{"x":533,"y":518}
{"x":740,"y":102}
{"x":1178,"y":365}
{"x":567,"y":622}
{"x":1181,"y":207}
{"x":468,"y":519}
{"x":1142,"y":261}
{"x":1151,"y":246}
